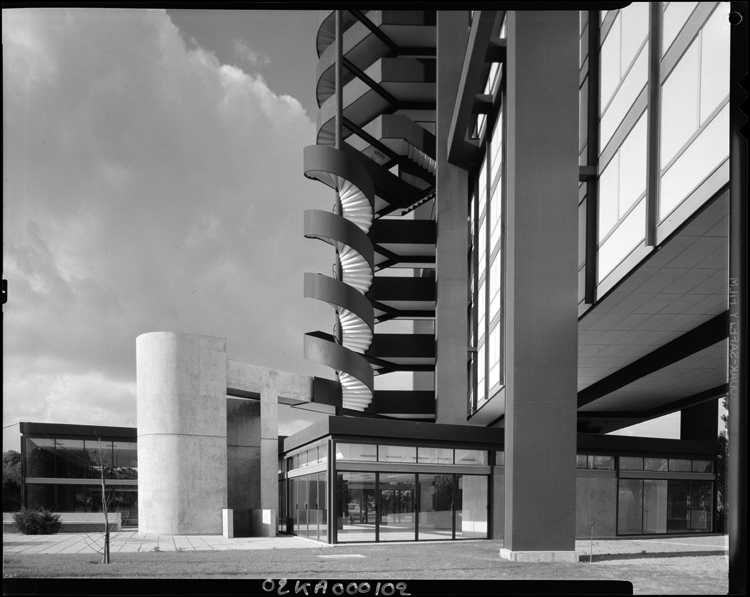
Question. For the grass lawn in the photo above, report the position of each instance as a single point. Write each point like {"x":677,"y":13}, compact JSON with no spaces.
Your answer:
{"x":699,"y":572}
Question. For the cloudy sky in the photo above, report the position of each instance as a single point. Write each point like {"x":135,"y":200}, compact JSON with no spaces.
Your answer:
{"x":153,"y":182}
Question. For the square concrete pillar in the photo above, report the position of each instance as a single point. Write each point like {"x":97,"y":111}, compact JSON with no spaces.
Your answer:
{"x":269,"y":460}
{"x":541,"y":317}
{"x":451,"y":373}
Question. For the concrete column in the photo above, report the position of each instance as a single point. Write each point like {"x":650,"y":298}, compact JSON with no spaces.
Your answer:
{"x":451,"y":374}
{"x":182,"y":433}
{"x":541,"y":286}
{"x":243,"y":462}
{"x":264,"y":523}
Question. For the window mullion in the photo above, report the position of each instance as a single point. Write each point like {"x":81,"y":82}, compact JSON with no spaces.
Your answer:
{"x":652,"y":134}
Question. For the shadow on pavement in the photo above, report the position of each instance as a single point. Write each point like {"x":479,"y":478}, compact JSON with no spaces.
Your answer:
{"x":652,"y":554}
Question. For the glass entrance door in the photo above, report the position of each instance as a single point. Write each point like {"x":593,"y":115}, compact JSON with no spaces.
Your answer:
{"x":397,"y":507}
{"x":355,"y":508}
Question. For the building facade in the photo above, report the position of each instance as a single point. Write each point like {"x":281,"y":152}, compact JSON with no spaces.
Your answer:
{"x":530,"y":235}
{"x":61,"y":467}
{"x":530,"y":246}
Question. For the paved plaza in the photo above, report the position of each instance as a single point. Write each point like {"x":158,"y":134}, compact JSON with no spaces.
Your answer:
{"x":133,"y":541}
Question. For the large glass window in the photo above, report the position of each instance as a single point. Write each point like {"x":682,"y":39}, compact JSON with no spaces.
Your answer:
{"x":694,"y":129}
{"x":654,"y":506}
{"x":124,"y":460}
{"x":486,"y":271}
{"x":622,"y":207}
{"x":397,"y":507}
{"x":435,"y":455}
{"x":397,"y":454}
{"x":471,"y":457}
{"x":624,"y":67}
{"x":40,"y":457}
{"x":678,"y":493}
{"x":630,"y":507}
{"x":357,"y":452}
{"x":355,"y":512}
{"x":661,"y":506}
{"x":435,"y":506}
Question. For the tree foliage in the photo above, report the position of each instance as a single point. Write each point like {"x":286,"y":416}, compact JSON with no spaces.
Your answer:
{"x":12,"y":481}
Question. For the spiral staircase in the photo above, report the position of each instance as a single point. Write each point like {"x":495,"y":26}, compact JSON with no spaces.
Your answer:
{"x":384,"y":176}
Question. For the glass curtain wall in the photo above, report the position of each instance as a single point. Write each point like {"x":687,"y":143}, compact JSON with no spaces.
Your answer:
{"x":623,"y":76}
{"x":659,"y":506}
{"x":409,"y":506}
{"x":686,"y":81}
{"x":694,"y":117}
{"x":485,"y":253}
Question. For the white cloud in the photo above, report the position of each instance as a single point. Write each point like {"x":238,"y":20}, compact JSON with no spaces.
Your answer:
{"x":147,"y":187}
{"x":249,"y":56}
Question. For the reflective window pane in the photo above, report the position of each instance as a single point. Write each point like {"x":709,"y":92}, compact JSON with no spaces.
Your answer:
{"x":677,"y":506}
{"x":500,"y":458}
{"x":40,"y":457}
{"x":633,"y":153}
{"x":609,"y":190}
{"x":634,"y":31}
{"x":629,"y":507}
{"x":125,"y":460}
{"x":703,"y":466}
{"x":715,"y":54}
{"x":654,"y":506}
{"x":397,"y":507}
{"x":701,"y":506}
{"x":626,"y":237}
{"x":471,"y":457}
{"x":674,"y":17}
{"x":99,"y":455}
{"x":610,"y":64}
{"x":628,"y":92}
{"x":679,"y":104}
{"x":435,"y":507}
{"x":71,"y":458}
{"x":602,"y":463}
{"x":655,"y":464}
{"x":435,"y":455}
{"x":628,"y":463}
{"x":581,"y":461}
{"x":703,"y":155}
{"x":356,"y":452}
{"x":397,"y":454}
{"x":679,"y":465}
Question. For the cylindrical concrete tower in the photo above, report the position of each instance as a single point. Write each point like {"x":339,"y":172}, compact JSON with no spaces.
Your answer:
{"x":182,"y":433}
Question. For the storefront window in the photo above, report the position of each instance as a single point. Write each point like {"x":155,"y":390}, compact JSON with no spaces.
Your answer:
{"x":355,"y":508}
{"x":435,"y":507}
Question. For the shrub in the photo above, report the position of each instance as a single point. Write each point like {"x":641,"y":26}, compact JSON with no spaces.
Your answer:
{"x":37,"y":522}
